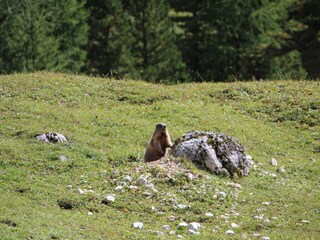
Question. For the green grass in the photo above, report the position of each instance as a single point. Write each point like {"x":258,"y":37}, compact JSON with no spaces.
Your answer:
{"x":108,"y":123}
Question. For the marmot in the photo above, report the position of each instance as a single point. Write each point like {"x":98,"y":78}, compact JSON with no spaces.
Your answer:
{"x":159,"y":143}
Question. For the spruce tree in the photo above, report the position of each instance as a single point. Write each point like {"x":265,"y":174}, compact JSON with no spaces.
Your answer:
{"x":155,"y":50}
{"x":110,"y":39}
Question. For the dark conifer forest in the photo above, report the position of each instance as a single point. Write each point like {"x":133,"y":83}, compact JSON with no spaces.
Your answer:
{"x":161,"y":40}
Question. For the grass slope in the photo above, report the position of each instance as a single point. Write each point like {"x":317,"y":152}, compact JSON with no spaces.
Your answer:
{"x":108,"y":123}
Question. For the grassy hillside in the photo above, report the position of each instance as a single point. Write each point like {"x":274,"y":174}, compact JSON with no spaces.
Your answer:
{"x":108,"y":123}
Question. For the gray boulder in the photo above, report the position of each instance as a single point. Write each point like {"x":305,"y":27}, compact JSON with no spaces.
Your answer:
{"x":216,"y":152}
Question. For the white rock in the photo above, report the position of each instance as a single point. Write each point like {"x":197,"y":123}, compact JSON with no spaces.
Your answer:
{"x":229,"y":232}
{"x":258,"y":217}
{"x":63,"y":158}
{"x":128,"y":178}
{"x":135,"y":188}
{"x":90,"y":191}
{"x":273,"y":175}
{"x":265,"y":238}
{"x":234,"y":225}
{"x":153,"y":208}
{"x":171,"y":218}
{"x":234,"y":185}
{"x":90,"y":213}
{"x":146,"y":193}
{"x":265,"y":203}
{"x":190,"y":231}
{"x":182,"y":206}
{"x":159,"y":233}
{"x":209,"y":214}
{"x":256,"y":234}
{"x":142,"y":180}
{"x":266,"y":221}
{"x":138,"y":225}
{"x":273,"y":162}
{"x":221,"y":194}
{"x":172,"y":232}
{"x":119,"y":188}
{"x":194,"y":226}
{"x":80,"y":191}
{"x":281,"y":169}
{"x":109,"y":199}
{"x":166,"y":227}
{"x":69,"y":186}
{"x":305,"y":221}
{"x":179,"y":236}
{"x":182,"y":225}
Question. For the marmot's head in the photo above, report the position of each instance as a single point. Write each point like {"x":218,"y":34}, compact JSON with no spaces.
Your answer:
{"x":161,"y":127}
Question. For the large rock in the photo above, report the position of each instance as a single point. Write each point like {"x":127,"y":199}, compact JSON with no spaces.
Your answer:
{"x":216,"y":152}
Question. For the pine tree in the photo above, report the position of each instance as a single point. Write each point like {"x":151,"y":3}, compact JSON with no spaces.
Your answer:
{"x":155,"y":50}
{"x":110,"y":39}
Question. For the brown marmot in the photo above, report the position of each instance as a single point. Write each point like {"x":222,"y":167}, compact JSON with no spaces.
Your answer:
{"x":159,"y":143}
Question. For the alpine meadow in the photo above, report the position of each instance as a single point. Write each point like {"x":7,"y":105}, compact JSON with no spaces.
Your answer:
{"x":96,"y":98}
{"x":55,"y":191}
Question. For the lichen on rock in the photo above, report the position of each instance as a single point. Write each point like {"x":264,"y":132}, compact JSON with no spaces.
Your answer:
{"x":216,"y":152}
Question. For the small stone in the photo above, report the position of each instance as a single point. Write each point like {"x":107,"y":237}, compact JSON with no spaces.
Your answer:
{"x":172,"y":232}
{"x":63,"y":158}
{"x":182,"y":225}
{"x":182,"y":206}
{"x":135,"y":188}
{"x":128,"y":179}
{"x":266,"y":203}
{"x":138,"y":225}
{"x":190,"y":231}
{"x":171,"y":218}
{"x":234,"y":225}
{"x":146,"y":193}
{"x":273,"y":175}
{"x":258,"y":217}
{"x":90,"y":213}
{"x":256,"y":234}
{"x":69,"y":186}
{"x":221,"y":194}
{"x":142,"y":180}
{"x":153,"y":208}
{"x":166,"y":227}
{"x":305,"y":221}
{"x":273,"y":162}
{"x":119,"y":188}
{"x":209,"y":214}
{"x":234,"y":185}
{"x":179,"y":236}
{"x":266,"y":221}
{"x":281,"y":170}
{"x":265,"y":238}
{"x":229,"y":232}
{"x":159,"y":233}
{"x":80,"y":191}
{"x":194,"y":226}
{"x":109,"y":199}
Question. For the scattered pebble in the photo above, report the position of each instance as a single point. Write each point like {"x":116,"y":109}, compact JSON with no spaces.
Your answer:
{"x":182,"y":225}
{"x":256,"y":234}
{"x":179,"y":236}
{"x":153,"y":208}
{"x":258,"y":217}
{"x":119,"y":188}
{"x":305,"y":221}
{"x":171,"y":218}
{"x":109,"y":199}
{"x":190,"y":231}
{"x":63,"y":158}
{"x":234,"y":185}
{"x":90,"y":213}
{"x":172,"y":232}
{"x":273,"y":162}
{"x":266,"y":221}
{"x":209,"y":214}
{"x":265,"y":238}
{"x":135,"y":188}
{"x":281,"y":170}
{"x":159,"y":233}
{"x":182,"y":206}
{"x":166,"y":227}
{"x":128,"y":178}
{"x":147,"y":194}
{"x":69,"y":186}
{"x":221,"y":194}
{"x":138,"y":225}
{"x":234,"y":225}
{"x":229,"y":232}
{"x":266,"y":203}
{"x":194,"y":226}
{"x":142,"y":180}
{"x":80,"y":191}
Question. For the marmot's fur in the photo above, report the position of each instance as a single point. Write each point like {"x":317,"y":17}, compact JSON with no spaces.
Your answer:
{"x":159,"y":143}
